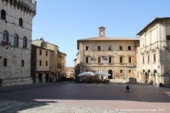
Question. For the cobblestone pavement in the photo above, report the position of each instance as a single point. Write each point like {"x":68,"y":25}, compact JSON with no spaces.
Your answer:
{"x":7,"y":106}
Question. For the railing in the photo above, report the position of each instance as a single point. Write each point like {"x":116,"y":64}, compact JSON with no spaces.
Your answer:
{"x":131,"y":65}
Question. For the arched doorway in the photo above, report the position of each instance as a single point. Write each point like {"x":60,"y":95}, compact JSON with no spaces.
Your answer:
{"x":111,"y":74}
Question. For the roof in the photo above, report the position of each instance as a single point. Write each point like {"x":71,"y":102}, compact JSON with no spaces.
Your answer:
{"x":104,"y":39}
{"x":62,"y":53}
{"x":52,"y":44}
{"x":156,"y":19}
{"x":41,"y":47}
{"x":107,"y":38}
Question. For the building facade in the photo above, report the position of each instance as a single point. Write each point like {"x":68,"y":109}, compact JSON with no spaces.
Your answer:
{"x":61,"y":64}
{"x":155,"y":52}
{"x":116,"y":56}
{"x":54,"y":67}
{"x":40,"y":65}
{"x":15,"y":41}
{"x":69,"y":72}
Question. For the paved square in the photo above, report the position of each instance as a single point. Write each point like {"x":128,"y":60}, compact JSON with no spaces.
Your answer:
{"x":68,"y":97}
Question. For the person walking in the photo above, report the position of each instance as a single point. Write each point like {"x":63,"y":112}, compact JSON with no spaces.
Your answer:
{"x":127,"y":88}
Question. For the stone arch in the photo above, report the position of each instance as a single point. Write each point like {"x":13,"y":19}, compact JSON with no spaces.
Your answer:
{"x":15,"y":3}
{"x":111,"y":72}
{"x":22,"y":7}
{"x":6,"y":1}
{"x":25,"y":8}
{"x":149,"y":71}
{"x":154,"y":72}
{"x":18,"y":5}
{"x":11,"y":2}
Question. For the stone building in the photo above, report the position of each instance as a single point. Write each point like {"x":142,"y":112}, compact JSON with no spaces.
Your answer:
{"x":40,"y":64}
{"x":56,"y":63}
{"x":155,"y":52}
{"x":15,"y":41}
{"x":61,"y":64}
{"x":116,"y":56}
{"x":69,"y":72}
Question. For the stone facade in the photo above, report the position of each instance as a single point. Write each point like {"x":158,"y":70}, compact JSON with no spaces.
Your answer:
{"x":155,"y":52}
{"x":15,"y":41}
{"x":69,"y":72}
{"x":56,"y":61}
{"x":116,"y":56}
{"x":61,"y":63}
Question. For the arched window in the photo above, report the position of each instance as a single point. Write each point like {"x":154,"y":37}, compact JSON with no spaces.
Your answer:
{"x":3,"y":15}
{"x":25,"y":42}
{"x":20,"y":22}
{"x":5,"y":37}
{"x":16,"y":40}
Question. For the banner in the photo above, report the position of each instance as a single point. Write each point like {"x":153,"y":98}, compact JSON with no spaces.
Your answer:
{"x":104,"y":59}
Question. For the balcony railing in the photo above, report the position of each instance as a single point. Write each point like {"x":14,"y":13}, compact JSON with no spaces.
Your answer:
{"x":131,"y":65}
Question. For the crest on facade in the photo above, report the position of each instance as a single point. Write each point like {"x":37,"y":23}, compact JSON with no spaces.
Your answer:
{"x":93,"y":58}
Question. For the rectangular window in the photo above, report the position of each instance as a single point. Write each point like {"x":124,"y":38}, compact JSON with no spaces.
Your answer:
{"x":120,"y":48}
{"x":40,"y":63}
{"x":168,"y":37}
{"x":87,"y":59}
{"x":143,"y":59}
{"x":129,"y":47}
{"x":130,"y":60}
{"x":98,"y":59}
{"x":5,"y":61}
{"x":154,"y":57}
{"x":148,"y":59}
{"x":99,"y":48}
{"x":121,"y":59}
{"x":87,"y":47}
{"x":129,"y":71}
{"x":110,"y":59}
{"x":121,"y":71}
{"x":40,"y":52}
{"x":46,"y":53}
{"x":46,"y":63}
{"x":110,"y":48}
{"x":22,"y":63}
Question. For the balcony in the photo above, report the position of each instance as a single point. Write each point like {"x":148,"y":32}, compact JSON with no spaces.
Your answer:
{"x":131,"y":65}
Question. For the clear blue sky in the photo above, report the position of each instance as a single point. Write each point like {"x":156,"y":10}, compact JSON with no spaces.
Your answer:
{"x":63,"y":22}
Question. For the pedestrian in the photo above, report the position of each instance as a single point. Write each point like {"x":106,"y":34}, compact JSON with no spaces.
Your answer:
{"x":127,"y":88}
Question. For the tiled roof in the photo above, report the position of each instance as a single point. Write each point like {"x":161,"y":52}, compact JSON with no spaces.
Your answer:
{"x":151,"y":23}
{"x":108,"y":38}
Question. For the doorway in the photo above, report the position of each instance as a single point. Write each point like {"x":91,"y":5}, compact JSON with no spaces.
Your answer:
{"x":40,"y":77}
{"x":111,"y":74}
{"x":47,"y":77}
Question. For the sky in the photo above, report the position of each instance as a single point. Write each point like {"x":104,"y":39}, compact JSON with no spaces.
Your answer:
{"x":63,"y":22}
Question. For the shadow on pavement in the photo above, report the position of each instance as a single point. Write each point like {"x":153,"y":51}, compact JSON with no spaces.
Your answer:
{"x":71,"y":91}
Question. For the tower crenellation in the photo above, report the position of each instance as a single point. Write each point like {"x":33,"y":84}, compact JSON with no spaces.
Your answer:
{"x":25,"y":6}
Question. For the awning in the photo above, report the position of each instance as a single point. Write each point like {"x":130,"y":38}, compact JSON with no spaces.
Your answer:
{"x":43,"y":72}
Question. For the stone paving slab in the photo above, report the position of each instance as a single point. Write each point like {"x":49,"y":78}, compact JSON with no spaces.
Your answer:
{"x":7,"y":106}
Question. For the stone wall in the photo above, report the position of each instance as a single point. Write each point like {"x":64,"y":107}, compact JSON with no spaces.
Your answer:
{"x":14,"y":73}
